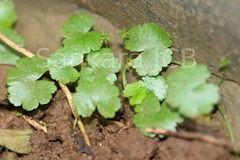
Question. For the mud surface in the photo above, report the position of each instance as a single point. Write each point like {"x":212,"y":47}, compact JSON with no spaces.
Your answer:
{"x":108,"y":141}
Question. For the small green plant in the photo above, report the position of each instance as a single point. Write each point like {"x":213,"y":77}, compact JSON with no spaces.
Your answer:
{"x":158,"y":101}
{"x":8,"y":17}
{"x":93,"y":80}
{"x":161,"y":103}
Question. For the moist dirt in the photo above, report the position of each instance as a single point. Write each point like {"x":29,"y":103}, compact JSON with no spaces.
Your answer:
{"x":108,"y":140}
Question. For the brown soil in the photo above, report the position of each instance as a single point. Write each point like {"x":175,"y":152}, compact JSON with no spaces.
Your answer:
{"x":108,"y":141}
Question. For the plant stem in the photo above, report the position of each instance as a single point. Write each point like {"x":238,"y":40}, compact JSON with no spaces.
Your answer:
{"x":222,"y":78}
{"x":229,"y":128}
{"x":79,"y":121}
{"x":124,"y":72}
{"x":226,"y":121}
{"x":63,"y":86}
{"x":24,"y":51}
{"x":230,"y":132}
{"x":176,"y":62}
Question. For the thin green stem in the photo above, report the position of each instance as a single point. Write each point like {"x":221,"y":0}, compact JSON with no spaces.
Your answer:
{"x":222,"y":78}
{"x":176,"y":62}
{"x":230,"y":132}
{"x":229,"y":128}
{"x":226,"y":121}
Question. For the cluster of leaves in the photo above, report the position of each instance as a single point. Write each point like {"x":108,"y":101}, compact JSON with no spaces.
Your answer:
{"x":8,"y":17}
{"x":95,"y":89}
{"x":158,"y":102}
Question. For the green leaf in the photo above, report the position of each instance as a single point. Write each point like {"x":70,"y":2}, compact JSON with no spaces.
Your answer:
{"x":136,"y":92}
{"x":91,"y":41}
{"x":77,"y":24}
{"x":153,"y":42}
{"x":140,"y":37}
{"x":150,"y":114}
{"x":100,"y":94}
{"x":123,"y":33}
{"x":151,"y":61}
{"x":16,"y":140}
{"x":77,"y":34}
{"x":24,"y":88}
{"x":90,"y":74}
{"x":189,"y":92}
{"x":7,"y":14}
{"x":103,"y":65}
{"x":224,"y":62}
{"x":61,"y":64}
{"x":7,"y":54}
{"x":157,"y":85}
{"x":106,"y":37}
{"x":104,"y":59}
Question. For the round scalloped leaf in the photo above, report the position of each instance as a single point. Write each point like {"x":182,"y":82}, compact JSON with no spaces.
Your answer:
{"x":24,"y":88}
{"x":104,"y":59}
{"x":189,"y":92}
{"x":151,"y":61}
{"x":61,"y":64}
{"x":7,"y":14}
{"x":157,"y":85}
{"x":77,"y":24}
{"x":150,"y":114}
{"x":140,"y":37}
{"x":90,"y":74}
{"x":90,"y":41}
{"x":100,"y":94}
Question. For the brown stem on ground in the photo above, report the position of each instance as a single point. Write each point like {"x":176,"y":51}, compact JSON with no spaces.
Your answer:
{"x":29,"y":54}
{"x":79,"y":121}
{"x":35,"y":124}
{"x":192,"y":135}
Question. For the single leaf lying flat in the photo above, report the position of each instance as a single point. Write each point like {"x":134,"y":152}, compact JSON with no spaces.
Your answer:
{"x":153,"y":42}
{"x":140,"y":37}
{"x":24,"y":88}
{"x":100,"y":94}
{"x":61,"y":64}
{"x":7,"y":54}
{"x":77,"y":24}
{"x":151,"y":61}
{"x":102,"y":64}
{"x":104,"y":59}
{"x":90,"y":74}
{"x":16,"y":140}
{"x":150,"y":114}
{"x":189,"y":92}
{"x":157,"y":85}
{"x":90,"y":41}
{"x":7,"y":14}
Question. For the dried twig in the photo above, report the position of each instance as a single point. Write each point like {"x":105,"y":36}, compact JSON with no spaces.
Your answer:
{"x":64,"y":87}
{"x":35,"y":124}
{"x":79,"y":121}
{"x":193,"y":135}
{"x":15,"y":46}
